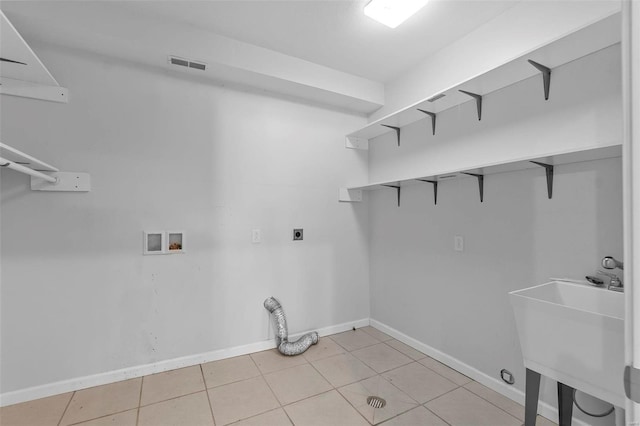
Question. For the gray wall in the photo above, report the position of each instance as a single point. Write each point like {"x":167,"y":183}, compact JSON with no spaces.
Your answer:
{"x":456,"y":302}
{"x":166,"y":153}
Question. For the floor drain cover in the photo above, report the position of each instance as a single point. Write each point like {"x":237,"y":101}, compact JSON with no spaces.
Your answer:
{"x":376,"y":402}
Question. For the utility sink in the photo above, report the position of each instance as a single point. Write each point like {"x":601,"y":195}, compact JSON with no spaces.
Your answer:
{"x":573,"y":333}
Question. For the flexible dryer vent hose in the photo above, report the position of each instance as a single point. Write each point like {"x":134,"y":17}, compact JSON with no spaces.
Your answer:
{"x":282,"y":335}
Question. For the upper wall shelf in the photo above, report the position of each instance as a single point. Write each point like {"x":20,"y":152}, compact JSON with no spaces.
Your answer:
{"x":21,"y":71}
{"x":576,"y":45}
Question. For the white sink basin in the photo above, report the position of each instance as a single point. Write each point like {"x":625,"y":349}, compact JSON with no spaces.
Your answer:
{"x":573,"y":333}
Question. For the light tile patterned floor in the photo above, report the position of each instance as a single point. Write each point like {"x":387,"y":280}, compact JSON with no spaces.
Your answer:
{"x":328,"y":385}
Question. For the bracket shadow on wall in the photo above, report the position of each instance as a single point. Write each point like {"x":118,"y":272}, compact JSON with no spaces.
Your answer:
{"x":583,"y":42}
{"x":44,"y":177}
{"x":354,"y":193}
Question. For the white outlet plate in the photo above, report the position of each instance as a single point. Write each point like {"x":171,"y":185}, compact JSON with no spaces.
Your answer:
{"x":458,"y":243}
{"x":256,"y":236}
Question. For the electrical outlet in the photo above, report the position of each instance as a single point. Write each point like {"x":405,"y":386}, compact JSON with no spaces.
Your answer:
{"x":458,"y":243}
{"x":256,"y":236}
{"x":507,"y":376}
{"x":297,"y":234}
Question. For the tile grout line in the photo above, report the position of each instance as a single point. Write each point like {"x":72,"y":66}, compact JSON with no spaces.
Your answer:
{"x":257,"y":415}
{"x":271,"y":389}
{"x":321,"y":375}
{"x":274,"y":371}
{"x":379,"y":375}
{"x":484,"y":399}
{"x":410,"y":357}
{"x":101,"y":417}
{"x":230,"y":383}
{"x":440,"y":396}
{"x":355,"y":349}
{"x":445,"y":377}
{"x":333,"y":388}
{"x":353,"y":406}
{"x":404,"y":393}
{"x":446,"y":422}
{"x":139,"y":401}
{"x":321,"y":393}
{"x":206,"y":389}
{"x":463,"y":387}
{"x":169,"y":399}
{"x":272,"y":392}
{"x":363,"y":329}
{"x":66,"y":407}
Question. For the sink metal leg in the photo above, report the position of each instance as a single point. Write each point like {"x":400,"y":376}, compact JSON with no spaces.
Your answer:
{"x":531,"y":397}
{"x":565,"y":404}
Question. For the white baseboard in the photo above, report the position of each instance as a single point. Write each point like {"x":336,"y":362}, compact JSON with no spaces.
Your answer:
{"x":544,"y":409}
{"x":56,"y":388}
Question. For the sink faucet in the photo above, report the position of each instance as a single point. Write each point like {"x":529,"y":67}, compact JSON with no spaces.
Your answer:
{"x":610,"y":263}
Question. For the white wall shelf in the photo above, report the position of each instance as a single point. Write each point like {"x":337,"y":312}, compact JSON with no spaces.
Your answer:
{"x":22,"y":73}
{"x":435,"y":176}
{"x":574,"y":46}
{"x":44,"y":177}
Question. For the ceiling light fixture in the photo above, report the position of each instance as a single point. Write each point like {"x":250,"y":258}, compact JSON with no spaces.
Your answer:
{"x":393,"y":12}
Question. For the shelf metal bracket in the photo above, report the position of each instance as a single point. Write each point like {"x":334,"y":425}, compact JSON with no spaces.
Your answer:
{"x":435,"y":189}
{"x":546,"y":77}
{"x":397,"y":129}
{"x":549,"y":170}
{"x":480,"y":183}
{"x":433,"y":119}
{"x":397,"y":187}
{"x":478,"y":99}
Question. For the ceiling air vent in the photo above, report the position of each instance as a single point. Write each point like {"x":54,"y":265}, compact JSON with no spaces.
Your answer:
{"x":174,"y":60}
{"x":197,"y":65}
{"x":436,"y":97}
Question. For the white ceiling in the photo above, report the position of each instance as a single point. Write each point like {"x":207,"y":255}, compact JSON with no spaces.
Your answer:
{"x":323,"y":51}
{"x":332,"y":33}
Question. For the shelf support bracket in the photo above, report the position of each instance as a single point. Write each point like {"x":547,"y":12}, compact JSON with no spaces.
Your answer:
{"x":478,"y":99}
{"x":397,"y":129}
{"x":397,"y":188}
{"x":546,"y":77}
{"x":549,"y":171}
{"x":480,"y":183}
{"x":435,"y":189}
{"x":433,"y":119}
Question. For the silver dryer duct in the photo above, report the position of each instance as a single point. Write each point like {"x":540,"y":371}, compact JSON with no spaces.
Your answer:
{"x":282,"y":335}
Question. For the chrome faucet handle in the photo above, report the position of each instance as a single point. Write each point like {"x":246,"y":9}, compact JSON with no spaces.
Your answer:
{"x":610,"y":263}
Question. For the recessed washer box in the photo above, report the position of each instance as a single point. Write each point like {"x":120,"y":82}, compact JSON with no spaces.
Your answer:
{"x":175,"y":242}
{"x":153,"y":242}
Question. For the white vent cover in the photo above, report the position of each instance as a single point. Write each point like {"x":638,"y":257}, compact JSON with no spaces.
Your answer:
{"x":187,"y":63}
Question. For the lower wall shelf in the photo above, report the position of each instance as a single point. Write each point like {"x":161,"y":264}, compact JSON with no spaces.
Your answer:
{"x":354,"y":193}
